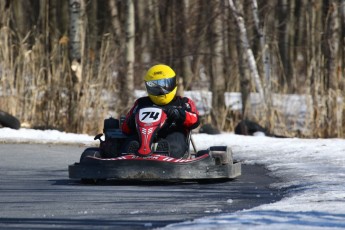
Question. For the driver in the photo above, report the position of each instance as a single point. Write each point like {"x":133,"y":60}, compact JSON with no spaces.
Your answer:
{"x":160,"y":82}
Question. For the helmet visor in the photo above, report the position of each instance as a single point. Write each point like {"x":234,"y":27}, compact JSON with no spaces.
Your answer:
{"x":161,"y":86}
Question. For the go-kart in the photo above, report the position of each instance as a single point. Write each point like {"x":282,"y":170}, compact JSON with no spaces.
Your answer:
{"x":110,"y":162}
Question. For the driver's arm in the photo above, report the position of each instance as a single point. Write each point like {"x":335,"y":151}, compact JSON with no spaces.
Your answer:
{"x":192,"y":114}
{"x":128,"y":125}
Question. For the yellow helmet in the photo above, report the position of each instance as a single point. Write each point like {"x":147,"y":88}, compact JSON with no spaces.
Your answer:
{"x":160,"y":82}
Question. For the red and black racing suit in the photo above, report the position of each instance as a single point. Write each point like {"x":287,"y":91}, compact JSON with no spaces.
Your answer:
{"x":176,"y":133}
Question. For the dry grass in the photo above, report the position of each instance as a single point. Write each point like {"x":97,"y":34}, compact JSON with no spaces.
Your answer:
{"x":43,"y":89}
{"x":39,"y":87}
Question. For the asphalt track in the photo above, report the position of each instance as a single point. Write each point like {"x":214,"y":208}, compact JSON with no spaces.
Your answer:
{"x":36,"y":193}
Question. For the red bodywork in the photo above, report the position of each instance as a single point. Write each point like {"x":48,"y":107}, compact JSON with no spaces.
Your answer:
{"x":149,"y":121}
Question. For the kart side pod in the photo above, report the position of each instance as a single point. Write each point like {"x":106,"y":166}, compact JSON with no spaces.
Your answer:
{"x":222,"y":155}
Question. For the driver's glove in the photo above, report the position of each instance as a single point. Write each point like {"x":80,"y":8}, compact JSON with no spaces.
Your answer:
{"x":177,"y":115}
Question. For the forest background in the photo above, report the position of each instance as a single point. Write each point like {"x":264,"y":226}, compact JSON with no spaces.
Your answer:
{"x":68,"y":64}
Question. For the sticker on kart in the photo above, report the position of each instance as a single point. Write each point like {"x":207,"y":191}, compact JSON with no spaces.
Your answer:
{"x":154,"y":158}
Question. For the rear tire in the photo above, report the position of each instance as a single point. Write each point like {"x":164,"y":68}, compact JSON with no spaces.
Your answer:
{"x":7,"y":120}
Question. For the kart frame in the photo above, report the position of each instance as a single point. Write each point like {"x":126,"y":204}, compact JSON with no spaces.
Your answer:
{"x":215,"y":164}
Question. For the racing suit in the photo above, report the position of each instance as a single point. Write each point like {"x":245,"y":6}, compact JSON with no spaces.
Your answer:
{"x":176,"y":134}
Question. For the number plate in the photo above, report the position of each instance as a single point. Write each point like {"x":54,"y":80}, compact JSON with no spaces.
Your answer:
{"x":150,"y":115}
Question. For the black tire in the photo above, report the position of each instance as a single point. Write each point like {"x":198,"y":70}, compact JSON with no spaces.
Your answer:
{"x":7,"y":120}
{"x":93,"y":152}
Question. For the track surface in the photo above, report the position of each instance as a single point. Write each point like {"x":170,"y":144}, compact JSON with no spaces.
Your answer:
{"x":35,"y":193}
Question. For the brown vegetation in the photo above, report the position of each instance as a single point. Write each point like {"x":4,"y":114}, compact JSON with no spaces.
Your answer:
{"x":69,"y":64}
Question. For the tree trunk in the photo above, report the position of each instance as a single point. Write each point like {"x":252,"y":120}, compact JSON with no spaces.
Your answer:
{"x":198,"y":44}
{"x":285,"y":14}
{"x":23,"y":17}
{"x":182,"y":45}
{"x":158,"y":36}
{"x":145,"y":30}
{"x":331,"y":50}
{"x":93,"y":32}
{"x":76,"y":31}
{"x":128,"y":86}
{"x":266,"y":63}
{"x":218,"y":85}
{"x":115,"y":21}
{"x":246,"y":49}
{"x":245,"y":83}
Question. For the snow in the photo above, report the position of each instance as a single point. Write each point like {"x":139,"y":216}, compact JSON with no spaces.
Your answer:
{"x":44,"y":136}
{"x":312,"y":171}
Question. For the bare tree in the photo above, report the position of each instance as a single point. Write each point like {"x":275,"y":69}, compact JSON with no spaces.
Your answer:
{"x":75,"y":29}
{"x":246,"y":49}
{"x":182,"y":42}
{"x":77,"y":10}
{"x":286,"y":38}
{"x":245,"y":82}
{"x":331,"y":51}
{"x":128,"y":85}
{"x":145,"y":35}
{"x":115,"y":21}
{"x":24,"y":15}
{"x":218,"y":85}
{"x":266,"y":63}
